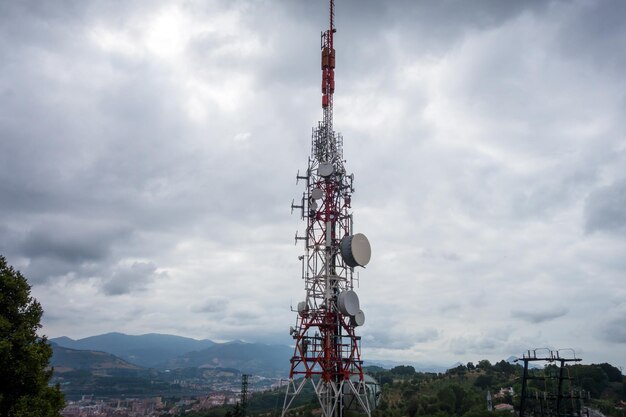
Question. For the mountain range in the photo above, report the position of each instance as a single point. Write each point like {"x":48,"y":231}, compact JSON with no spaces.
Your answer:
{"x":147,"y":350}
{"x":159,"y":351}
{"x":65,"y":360}
{"x":250,"y":358}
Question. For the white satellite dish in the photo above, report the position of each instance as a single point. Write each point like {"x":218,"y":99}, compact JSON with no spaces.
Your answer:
{"x":358,"y":319}
{"x":355,"y":250}
{"x":348,"y":303}
{"x":325,"y":169}
{"x":372,"y":390}
{"x":317,"y":193}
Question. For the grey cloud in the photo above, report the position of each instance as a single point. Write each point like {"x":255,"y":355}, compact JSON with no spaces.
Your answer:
{"x":43,"y":270}
{"x":539,"y":315}
{"x":245,"y":315}
{"x":9,"y":239}
{"x":425,"y":335}
{"x":474,"y":345}
{"x":440,"y":22}
{"x":596,"y":34}
{"x":554,"y":191}
{"x":451,"y":307}
{"x":121,"y":148}
{"x":71,"y":240}
{"x":396,"y":338}
{"x":50,"y":246}
{"x":211,"y":305}
{"x":370,"y":36}
{"x":604,"y":209}
{"x":491,"y":340}
{"x":451,"y":14}
{"x":462,"y":347}
{"x":615,"y":330}
{"x":125,"y":279}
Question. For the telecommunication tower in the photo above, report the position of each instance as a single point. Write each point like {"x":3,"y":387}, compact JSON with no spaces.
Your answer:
{"x":327,"y":350}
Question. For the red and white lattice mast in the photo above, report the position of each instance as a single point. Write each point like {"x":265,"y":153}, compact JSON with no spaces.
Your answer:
{"x":327,"y":350}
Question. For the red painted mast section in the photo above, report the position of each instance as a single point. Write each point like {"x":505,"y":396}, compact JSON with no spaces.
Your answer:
{"x":328,"y":62}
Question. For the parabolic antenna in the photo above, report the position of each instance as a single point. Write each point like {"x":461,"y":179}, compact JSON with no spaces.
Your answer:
{"x":313,"y":205}
{"x":355,"y":250}
{"x":358,"y":319}
{"x":348,"y":303}
{"x":317,"y":193}
{"x":325,"y":169}
{"x":372,"y":390}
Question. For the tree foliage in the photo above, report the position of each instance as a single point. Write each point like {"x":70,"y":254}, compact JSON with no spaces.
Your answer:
{"x":24,"y":356}
{"x":463,"y":393}
{"x":484,"y":364}
{"x":593,"y":378}
{"x":613,"y":373}
{"x":403,"y":370}
{"x":483,"y":381}
{"x":460,"y":393}
{"x":505,"y":368}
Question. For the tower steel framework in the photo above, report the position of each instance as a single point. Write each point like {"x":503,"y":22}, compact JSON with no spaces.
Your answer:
{"x":560,"y":397}
{"x":243,"y":406}
{"x":327,"y":351}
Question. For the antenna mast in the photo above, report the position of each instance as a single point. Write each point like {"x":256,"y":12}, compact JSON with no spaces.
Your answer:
{"x":327,"y":351}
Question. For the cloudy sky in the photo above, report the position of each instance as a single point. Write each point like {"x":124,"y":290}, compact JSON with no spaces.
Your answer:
{"x":148,"y":153}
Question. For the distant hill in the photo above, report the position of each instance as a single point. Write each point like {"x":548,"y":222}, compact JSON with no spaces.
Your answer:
{"x":420,"y":367}
{"x":65,"y":360}
{"x":252,"y":358}
{"x":146,"y":350}
{"x":174,"y":352}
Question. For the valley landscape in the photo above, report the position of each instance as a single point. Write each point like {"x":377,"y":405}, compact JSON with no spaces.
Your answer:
{"x":162,"y":374}
{"x":157,"y":365}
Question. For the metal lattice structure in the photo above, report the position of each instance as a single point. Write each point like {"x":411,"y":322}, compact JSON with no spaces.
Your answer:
{"x":243,"y":406}
{"x":559,"y":396}
{"x":327,"y":351}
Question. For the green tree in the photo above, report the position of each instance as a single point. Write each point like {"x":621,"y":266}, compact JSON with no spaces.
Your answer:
{"x":479,"y":413}
{"x":453,"y":399}
{"x":447,"y":399}
{"x":462,"y":401}
{"x":459,"y":370}
{"x":592,"y":379}
{"x":413,"y":407}
{"x":24,"y":356}
{"x":505,"y":367}
{"x":483,"y":381}
{"x":613,"y":373}
{"x":485,"y":365}
{"x":403,"y":370}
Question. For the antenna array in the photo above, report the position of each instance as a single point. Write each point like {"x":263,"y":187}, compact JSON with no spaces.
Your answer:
{"x":327,"y":351}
